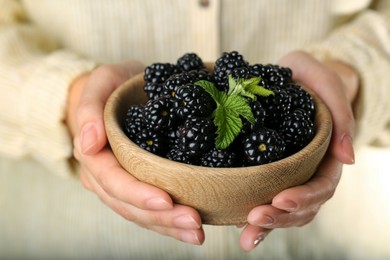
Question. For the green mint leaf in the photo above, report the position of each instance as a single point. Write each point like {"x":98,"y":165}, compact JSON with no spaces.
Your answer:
{"x":249,"y":94}
{"x":228,"y":127}
{"x":211,"y":89}
{"x":227,"y":115}
{"x":228,"y":119}
{"x":238,"y":106}
{"x":260,"y":91}
{"x":247,"y":87}
{"x":251,"y":82}
{"x":232,"y":84}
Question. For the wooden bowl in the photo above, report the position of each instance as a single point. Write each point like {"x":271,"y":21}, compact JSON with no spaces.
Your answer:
{"x":222,"y":196}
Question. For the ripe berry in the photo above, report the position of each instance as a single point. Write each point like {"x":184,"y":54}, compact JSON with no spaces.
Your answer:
{"x":175,"y":82}
{"x":297,"y":130}
{"x":134,"y":121}
{"x":271,"y":75}
{"x":153,"y":90}
{"x":192,"y":100}
{"x":263,"y":146}
{"x":177,"y":123}
{"x":151,"y":141}
{"x":175,"y":154}
{"x":241,"y":73}
{"x":276,"y":106}
{"x":300,"y":99}
{"x":236,"y":73}
{"x":157,"y":113}
{"x":224,"y":66}
{"x":196,"y":135}
{"x":190,"y":61}
{"x":218,"y":158}
{"x":155,"y":75}
{"x":201,"y":75}
{"x":259,"y":114}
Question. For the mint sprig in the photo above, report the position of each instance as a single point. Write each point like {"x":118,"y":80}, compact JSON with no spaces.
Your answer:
{"x":233,"y":106}
{"x":247,"y":87}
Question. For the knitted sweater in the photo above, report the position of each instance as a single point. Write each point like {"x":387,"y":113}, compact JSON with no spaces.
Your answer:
{"x":45,"y":45}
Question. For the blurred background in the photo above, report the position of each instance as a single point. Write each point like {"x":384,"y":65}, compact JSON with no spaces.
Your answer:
{"x":357,"y":217}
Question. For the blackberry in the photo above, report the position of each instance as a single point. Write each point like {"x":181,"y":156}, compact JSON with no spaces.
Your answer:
{"x":301,"y":99}
{"x":175,"y":154}
{"x":263,"y":146}
{"x":192,"y":100}
{"x":271,"y":75}
{"x":176,"y":120}
{"x":171,"y":136}
{"x":259,"y":114}
{"x":297,"y":130}
{"x":190,"y":61}
{"x":155,"y":75}
{"x":157,"y":113}
{"x":224,"y":66}
{"x":242,"y":73}
{"x":201,"y":75}
{"x":159,"y":72}
{"x":286,"y":73}
{"x":153,"y":90}
{"x":133,"y":121}
{"x":175,"y":82}
{"x":151,"y":141}
{"x":218,"y":158}
{"x":276,"y":106}
{"x":236,"y":73}
{"x":196,"y":135}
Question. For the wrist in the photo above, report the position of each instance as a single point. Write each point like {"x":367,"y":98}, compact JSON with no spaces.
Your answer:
{"x":74,"y":94}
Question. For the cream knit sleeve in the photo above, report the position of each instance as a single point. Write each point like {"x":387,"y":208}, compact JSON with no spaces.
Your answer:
{"x":34,"y":78}
{"x":364,"y":43}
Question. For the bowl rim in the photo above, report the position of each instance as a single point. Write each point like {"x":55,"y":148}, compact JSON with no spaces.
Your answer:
{"x":323,"y":128}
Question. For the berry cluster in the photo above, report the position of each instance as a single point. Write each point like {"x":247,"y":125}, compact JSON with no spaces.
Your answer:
{"x":179,"y":120}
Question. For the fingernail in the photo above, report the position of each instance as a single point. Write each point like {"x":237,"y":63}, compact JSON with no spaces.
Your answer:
{"x":241,"y":225}
{"x":259,"y":239}
{"x":347,"y":146}
{"x":288,"y":205}
{"x":265,"y":221}
{"x":88,"y":137}
{"x":186,"y":221}
{"x":189,"y":236}
{"x":158,"y":204}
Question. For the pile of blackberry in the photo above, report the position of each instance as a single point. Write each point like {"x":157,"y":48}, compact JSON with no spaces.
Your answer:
{"x":177,"y":120}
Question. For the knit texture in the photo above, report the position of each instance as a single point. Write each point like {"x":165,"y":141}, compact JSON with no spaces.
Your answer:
{"x":45,"y":45}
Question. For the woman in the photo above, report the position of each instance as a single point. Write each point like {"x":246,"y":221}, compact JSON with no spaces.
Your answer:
{"x":50,"y":69}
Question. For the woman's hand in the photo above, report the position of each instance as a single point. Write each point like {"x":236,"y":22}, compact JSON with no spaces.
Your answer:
{"x":101,"y":173}
{"x":337,"y":84}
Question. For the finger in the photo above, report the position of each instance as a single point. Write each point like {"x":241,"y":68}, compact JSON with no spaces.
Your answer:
{"x":313,"y":193}
{"x":268,"y":216}
{"x":298,"y":206}
{"x":265,"y":216}
{"x":180,"y":217}
{"x":252,"y":236}
{"x":311,"y":73}
{"x":89,"y":115}
{"x":85,"y":180}
{"x":195,"y":237}
{"x":98,"y":88}
{"x":105,"y":171}
{"x":181,"y":222}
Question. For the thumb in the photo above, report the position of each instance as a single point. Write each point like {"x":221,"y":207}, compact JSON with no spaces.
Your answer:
{"x":99,"y":86}
{"x":329,"y":87}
